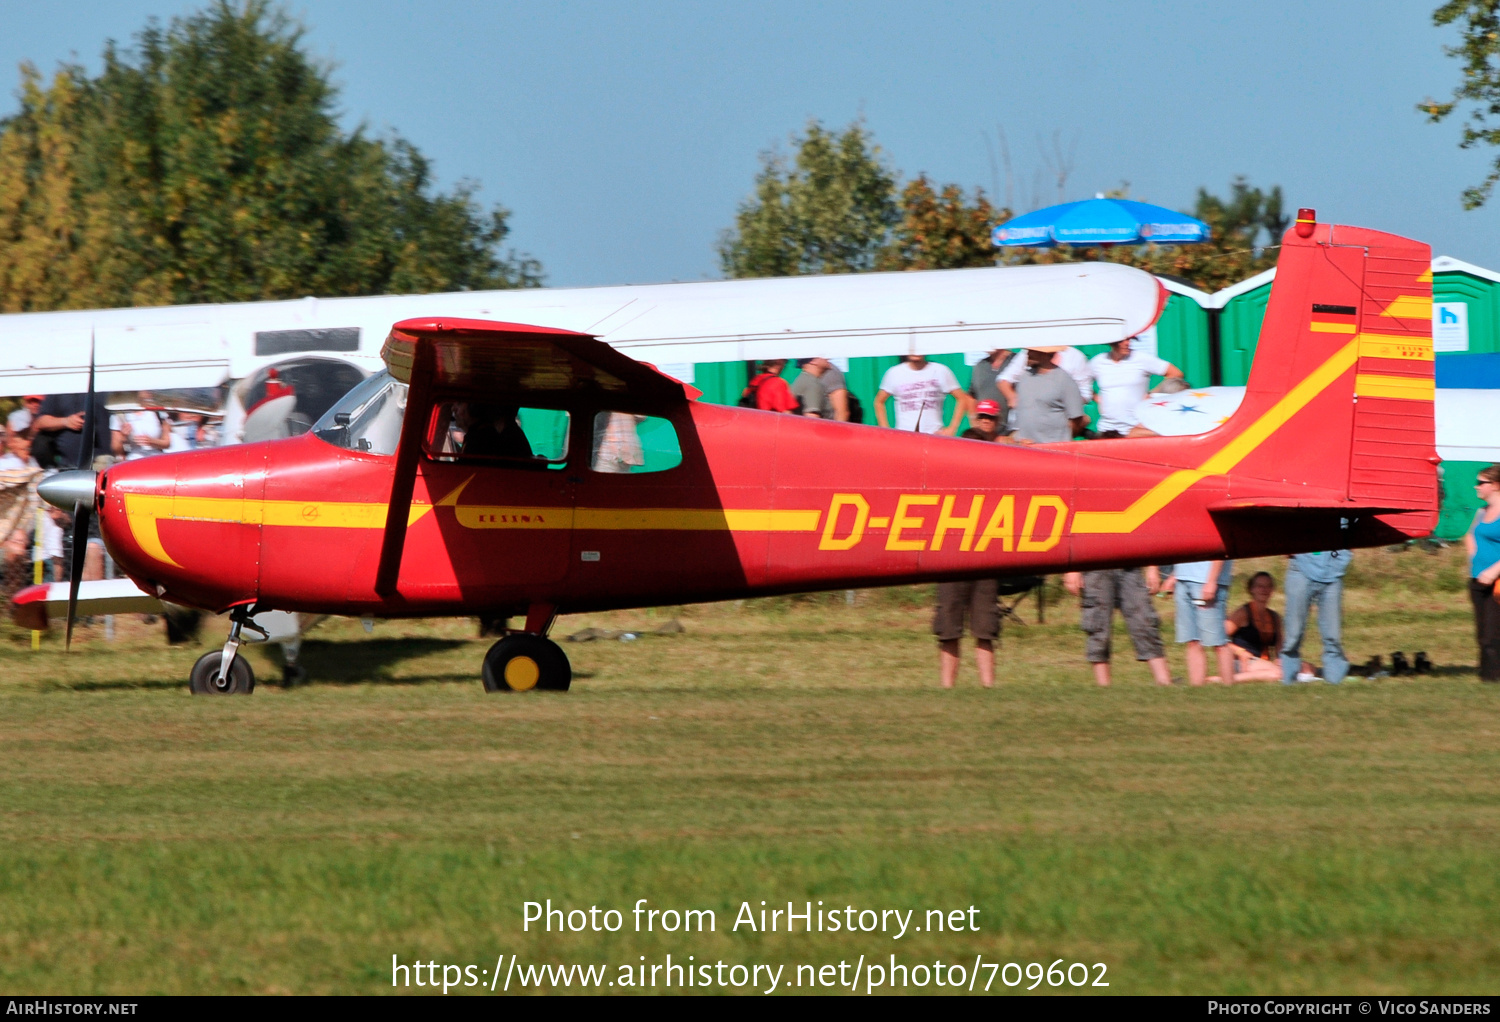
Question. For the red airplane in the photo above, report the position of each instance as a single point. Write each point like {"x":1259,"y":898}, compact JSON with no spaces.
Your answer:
{"x":500,"y":469}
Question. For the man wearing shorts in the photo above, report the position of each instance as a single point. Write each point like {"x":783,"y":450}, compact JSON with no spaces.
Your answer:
{"x":1131,"y":591}
{"x":979,"y":600}
{"x":1202,"y":589}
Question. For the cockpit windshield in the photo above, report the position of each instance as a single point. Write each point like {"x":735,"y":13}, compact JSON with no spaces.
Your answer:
{"x":368,"y":418}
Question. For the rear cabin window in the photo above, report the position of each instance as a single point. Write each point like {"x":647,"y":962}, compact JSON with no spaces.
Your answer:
{"x":628,"y":444}
{"x":499,"y":433}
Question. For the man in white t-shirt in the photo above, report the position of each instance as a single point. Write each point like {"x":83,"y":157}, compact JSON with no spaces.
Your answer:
{"x":139,"y":434}
{"x":1069,"y":360}
{"x":1123,"y":376}
{"x":919,"y":387}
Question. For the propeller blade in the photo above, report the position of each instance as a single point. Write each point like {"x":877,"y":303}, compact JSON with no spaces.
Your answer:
{"x":81,"y":514}
{"x":86,"y":449}
{"x":82,"y":509}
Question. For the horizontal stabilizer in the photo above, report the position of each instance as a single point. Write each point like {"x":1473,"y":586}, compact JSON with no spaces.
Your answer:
{"x":1292,"y":505}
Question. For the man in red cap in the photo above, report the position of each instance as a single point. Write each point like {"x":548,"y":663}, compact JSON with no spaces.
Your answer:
{"x":986,"y":424}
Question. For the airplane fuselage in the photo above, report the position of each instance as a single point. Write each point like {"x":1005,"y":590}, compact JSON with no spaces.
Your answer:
{"x":761,"y":503}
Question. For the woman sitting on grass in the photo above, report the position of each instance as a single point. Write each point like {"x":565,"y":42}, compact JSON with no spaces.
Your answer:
{"x":1254,"y":631}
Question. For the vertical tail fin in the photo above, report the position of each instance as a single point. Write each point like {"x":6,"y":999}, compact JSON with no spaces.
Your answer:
{"x":1340,"y":398}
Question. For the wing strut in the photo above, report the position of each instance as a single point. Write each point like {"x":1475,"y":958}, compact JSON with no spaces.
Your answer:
{"x":408,"y":450}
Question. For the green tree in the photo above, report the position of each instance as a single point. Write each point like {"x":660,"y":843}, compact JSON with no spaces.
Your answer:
{"x":207,"y":165}
{"x":830,"y":211}
{"x":941,"y":230}
{"x":1479,"y":50}
{"x":42,"y":219}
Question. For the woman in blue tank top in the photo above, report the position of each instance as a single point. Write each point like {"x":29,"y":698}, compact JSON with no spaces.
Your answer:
{"x":1483,"y":544}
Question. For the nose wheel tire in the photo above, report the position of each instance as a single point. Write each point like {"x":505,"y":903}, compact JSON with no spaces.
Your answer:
{"x":204,"y":680}
{"x":519,"y":663}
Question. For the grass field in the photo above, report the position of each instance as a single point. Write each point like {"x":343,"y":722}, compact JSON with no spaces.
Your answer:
{"x":1243,"y":839}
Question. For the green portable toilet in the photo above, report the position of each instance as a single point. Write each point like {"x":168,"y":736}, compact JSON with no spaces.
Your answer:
{"x":1465,"y":307}
{"x":1240,"y":308}
{"x":1466,"y":314}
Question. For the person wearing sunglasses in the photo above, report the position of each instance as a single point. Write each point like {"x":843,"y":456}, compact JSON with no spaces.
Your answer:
{"x":1483,"y":546}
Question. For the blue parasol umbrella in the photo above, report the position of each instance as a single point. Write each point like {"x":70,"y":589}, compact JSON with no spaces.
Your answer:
{"x":1100,"y":221}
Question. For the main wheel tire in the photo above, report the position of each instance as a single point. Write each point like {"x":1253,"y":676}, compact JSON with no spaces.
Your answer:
{"x":519,"y":663}
{"x":204,"y":680}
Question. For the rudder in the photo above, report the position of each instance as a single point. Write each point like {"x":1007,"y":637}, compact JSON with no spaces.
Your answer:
{"x":1343,"y":375}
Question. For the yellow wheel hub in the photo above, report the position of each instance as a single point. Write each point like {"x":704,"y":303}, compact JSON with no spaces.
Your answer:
{"x":522,"y":673}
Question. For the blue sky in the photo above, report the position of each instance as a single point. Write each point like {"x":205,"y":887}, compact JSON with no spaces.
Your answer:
{"x":623,"y":135}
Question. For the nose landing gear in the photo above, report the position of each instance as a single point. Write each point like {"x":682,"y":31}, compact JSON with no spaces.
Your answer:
{"x":225,"y":672}
{"x":528,"y":660}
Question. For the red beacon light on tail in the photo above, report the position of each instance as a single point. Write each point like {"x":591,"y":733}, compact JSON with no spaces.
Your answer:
{"x":1307,"y":219}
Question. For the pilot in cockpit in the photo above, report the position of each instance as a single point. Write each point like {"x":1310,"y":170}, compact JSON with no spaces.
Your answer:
{"x":491,"y":430}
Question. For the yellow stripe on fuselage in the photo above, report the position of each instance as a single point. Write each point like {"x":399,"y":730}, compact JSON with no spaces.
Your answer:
{"x":641,"y":519}
{"x":143,"y":511}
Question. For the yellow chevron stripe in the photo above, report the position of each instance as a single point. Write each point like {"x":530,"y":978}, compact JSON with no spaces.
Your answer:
{"x":142,"y":511}
{"x":1320,"y":327}
{"x":1404,"y":387}
{"x":1221,"y":461}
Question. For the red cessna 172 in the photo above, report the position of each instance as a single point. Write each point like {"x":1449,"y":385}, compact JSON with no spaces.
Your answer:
{"x":504,"y":469}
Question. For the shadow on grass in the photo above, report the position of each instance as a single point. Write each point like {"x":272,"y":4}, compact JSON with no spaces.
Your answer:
{"x":370,"y":661}
{"x":114,"y":684}
{"x":1448,"y":671}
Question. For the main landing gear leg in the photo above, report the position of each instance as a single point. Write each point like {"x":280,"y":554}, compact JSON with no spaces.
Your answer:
{"x":526,"y":660}
{"x":292,"y":672}
{"x":226,"y":672}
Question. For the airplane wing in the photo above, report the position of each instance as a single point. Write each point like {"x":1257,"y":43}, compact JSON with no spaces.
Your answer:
{"x":34,"y":606}
{"x":499,"y":360}
{"x":456,"y":357}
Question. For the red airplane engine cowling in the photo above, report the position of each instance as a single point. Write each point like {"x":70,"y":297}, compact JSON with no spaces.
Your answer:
{"x":204,"y":506}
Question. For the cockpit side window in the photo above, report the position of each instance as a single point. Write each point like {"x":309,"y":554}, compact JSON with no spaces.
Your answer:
{"x":500,"y":432}
{"x":368,"y":418}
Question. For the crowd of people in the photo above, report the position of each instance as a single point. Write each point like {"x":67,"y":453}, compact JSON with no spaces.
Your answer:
{"x":46,"y":434}
{"x":1038,"y":396}
{"x":1046,"y":391}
